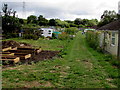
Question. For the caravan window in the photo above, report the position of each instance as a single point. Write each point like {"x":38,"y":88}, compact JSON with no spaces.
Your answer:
{"x":113,"y":38}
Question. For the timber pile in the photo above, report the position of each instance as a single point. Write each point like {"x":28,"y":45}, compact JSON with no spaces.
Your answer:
{"x":13,"y":52}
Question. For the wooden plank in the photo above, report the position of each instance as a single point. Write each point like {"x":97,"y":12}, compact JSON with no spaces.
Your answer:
{"x":22,"y":56}
{"x":7,"y":48}
{"x":38,"y":50}
{"x":17,"y":59}
{"x":24,"y":48}
{"x":8,"y":57}
{"x":21,"y":51}
{"x":35,"y":50}
{"x":15,"y":48}
{"x":6,"y":53}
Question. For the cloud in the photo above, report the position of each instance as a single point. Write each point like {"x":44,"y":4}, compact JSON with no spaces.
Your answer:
{"x":63,"y":9}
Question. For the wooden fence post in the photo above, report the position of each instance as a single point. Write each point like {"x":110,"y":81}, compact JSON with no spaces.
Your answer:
{"x":118,"y":45}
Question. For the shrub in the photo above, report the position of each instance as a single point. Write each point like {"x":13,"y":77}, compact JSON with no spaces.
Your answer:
{"x":63,"y":36}
{"x":30,"y":36}
{"x":11,"y":35}
{"x":92,"y":38}
{"x":71,"y":30}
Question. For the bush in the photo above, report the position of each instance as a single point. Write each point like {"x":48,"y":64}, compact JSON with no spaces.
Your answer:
{"x":71,"y":30}
{"x":92,"y":38}
{"x":30,"y":36}
{"x":11,"y":35}
{"x":63,"y":36}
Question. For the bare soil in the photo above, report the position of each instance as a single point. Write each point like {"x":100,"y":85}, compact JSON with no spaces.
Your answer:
{"x":43,"y":55}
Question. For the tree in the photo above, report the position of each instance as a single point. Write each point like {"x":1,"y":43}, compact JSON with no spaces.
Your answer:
{"x":52,"y":22}
{"x":42,"y":21}
{"x":61,"y":23}
{"x":78,"y":21}
{"x":107,"y":17}
{"x":10,"y":23}
{"x":21,"y":21}
{"x":32,"y":19}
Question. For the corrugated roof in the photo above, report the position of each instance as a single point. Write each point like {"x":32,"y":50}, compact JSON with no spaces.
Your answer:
{"x":111,"y":26}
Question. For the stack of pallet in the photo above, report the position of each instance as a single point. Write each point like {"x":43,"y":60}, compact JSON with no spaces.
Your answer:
{"x":17,"y":54}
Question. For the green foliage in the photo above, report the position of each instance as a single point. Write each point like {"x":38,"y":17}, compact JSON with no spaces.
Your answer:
{"x":107,"y":17}
{"x":30,"y":36}
{"x":42,"y":21}
{"x":11,"y":35}
{"x":78,"y":21}
{"x":63,"y":36}
{"x":52,"y":22}
{"x":32,"y":19}
{"x":85,"y":22}
{"x":61,"y":23}
{"x":30,"y":26}
{"x":71,"y":30}
{"x":92,"y":38}
{"x":10,"y":23}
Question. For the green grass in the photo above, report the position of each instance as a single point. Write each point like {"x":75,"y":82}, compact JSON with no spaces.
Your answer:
{"x":80,"y":67}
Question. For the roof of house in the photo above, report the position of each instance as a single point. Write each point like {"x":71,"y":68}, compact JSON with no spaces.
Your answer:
{"x":111,"y":26}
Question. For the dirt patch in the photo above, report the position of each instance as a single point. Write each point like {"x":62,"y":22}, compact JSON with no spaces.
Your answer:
{"x":43,"y":55}
{"x":11,"y":43}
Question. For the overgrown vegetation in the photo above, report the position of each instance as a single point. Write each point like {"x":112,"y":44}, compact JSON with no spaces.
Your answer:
{"x":92,"y":39}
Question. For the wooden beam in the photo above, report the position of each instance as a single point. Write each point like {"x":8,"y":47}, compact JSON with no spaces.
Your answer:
{"x":17,"y":59}
{"x":118,"y":45}
{"x":29,"y":51}
{"x":23,"y":56}
{"x":7,"y":48}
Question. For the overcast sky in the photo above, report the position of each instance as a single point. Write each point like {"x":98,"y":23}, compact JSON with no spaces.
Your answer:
{"x":62,"y":9}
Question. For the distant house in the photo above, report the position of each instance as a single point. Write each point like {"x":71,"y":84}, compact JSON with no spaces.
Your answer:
{"x":109,"y":37}
{"x":46,"y":32}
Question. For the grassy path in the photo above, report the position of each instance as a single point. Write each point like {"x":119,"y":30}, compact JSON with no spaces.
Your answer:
{"x":82,"y":67}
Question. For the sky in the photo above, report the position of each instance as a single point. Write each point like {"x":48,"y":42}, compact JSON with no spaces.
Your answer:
{"x":62,"y":9}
